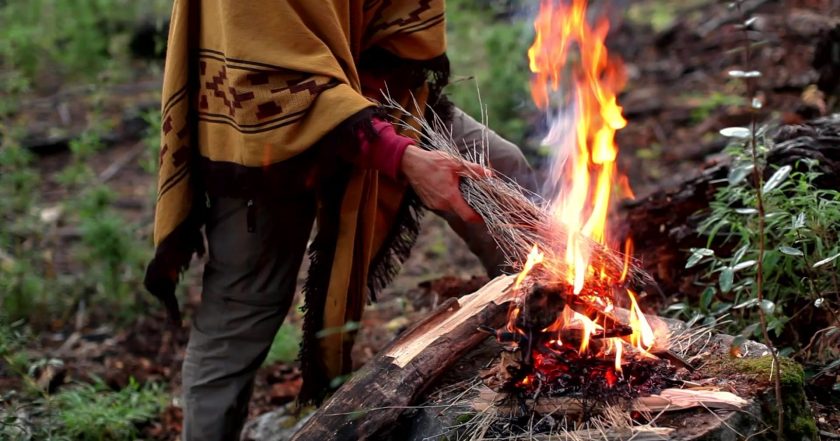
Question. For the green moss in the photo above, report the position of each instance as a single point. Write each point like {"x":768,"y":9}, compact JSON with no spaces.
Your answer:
{"x":799,"y":423}
{"x":803,"y":425}
{"x":758,"y":369}
{"x":762,"y":368}
{"x":465,"y":418}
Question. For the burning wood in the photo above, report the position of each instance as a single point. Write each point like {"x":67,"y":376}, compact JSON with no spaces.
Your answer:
{"x":560,"y":344}
{"x":575,"y":339}
{"x":572,"y":277}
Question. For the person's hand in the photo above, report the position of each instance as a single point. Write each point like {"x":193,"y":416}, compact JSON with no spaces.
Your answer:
{"x":435,"y":177}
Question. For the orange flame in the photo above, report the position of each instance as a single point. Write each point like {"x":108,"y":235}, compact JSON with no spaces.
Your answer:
{"x":643,"y":336}
{"x":619,"y":345}
{"x":576,"y":82}
{"x":535,"y":257}
{"x":585,"y":162}
{"x":628,"y":251}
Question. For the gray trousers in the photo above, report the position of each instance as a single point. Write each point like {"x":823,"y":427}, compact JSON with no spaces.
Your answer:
{"x":249,"y":283}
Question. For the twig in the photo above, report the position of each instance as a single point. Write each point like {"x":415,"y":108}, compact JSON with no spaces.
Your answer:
{"x":828,"y":434}
{"x":759,"y":277}
{"x":121,"y":162}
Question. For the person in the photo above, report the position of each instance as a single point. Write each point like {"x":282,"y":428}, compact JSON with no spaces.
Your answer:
{"x":270,"y":126}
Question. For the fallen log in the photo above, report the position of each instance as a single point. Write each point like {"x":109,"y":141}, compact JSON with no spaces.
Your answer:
{"x":377,"y":394}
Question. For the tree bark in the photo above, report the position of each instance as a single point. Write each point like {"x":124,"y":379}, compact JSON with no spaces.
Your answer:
{"x":376,"y":395}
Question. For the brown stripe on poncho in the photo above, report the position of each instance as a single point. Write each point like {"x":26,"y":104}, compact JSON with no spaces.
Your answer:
{"x":256,"y":95}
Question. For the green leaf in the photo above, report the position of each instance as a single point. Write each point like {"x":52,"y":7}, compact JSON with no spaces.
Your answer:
{"x":790,"y":251}
{"x":743,"y":265}
{"x":767,"y":306}
{"x":799,"y":221}
{"x":776,"y":324}
{"x":746,"y":210}
{"x":721,"y":307}
{"x":748,"y":303}
{"x":777,"y":178}
{"x":739,"y":254}
{"x":706,"y":298}
{"x":749,"y":330}
{"x":697,"y":254}
{"x":736,"y":132}
{"x":738,"y":341}
{"x":727,"y":276}
{"x":825,"y":261}
{"x":739,"y":173}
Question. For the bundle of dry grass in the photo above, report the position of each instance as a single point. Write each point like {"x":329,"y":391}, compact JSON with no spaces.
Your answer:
{"x":517,"y":218}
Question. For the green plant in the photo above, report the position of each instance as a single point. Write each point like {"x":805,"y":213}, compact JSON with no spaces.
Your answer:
{"x":21,"y":262}
{"x":94,"y":412}
{"x":706,"y":105}
{"x":109,"y":248}
{"x":285,"y":346}
{"x":13,"y":338}
{"x":149,"y":159}
{"x":83,"y":38}
{"x":476,"y":36}
{"x":802,"y":239}
{"x":79,"y":173}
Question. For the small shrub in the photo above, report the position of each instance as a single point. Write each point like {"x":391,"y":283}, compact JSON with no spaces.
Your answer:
{"x":802,"y":243}
{"x":82,"y":38}
{"x":93,"y":412}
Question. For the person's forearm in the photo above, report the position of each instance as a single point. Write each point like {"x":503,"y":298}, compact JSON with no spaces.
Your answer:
{"x":381,"y":148}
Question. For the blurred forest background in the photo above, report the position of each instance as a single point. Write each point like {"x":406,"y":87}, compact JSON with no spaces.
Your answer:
{"x":84,"y":353}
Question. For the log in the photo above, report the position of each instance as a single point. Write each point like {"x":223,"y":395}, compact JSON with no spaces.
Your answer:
{"x":376,"y":395}
{"x":373,"y":399}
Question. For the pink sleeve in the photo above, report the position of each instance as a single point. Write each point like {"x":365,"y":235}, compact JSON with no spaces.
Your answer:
{"x":385,"y":152}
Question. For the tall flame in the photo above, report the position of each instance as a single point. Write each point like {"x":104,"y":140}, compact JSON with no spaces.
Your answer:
{"x":584,"y":125}
{"x":576,"y":83}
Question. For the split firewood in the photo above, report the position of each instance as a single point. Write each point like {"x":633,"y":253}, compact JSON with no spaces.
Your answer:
{"x":668,"y":400}
{"x":376,"y":395}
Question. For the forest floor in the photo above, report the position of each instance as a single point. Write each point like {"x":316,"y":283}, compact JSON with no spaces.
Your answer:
{"x":677,"y":99}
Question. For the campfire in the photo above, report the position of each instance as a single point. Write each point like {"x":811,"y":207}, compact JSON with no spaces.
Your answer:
{"x":562,"y":327}
{"x":573,"y":352}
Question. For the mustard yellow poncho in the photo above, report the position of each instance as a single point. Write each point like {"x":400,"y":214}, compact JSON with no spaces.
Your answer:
{"x":254,"y":92}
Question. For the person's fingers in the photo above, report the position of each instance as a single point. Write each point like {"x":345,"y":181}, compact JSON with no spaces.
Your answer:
{"x":474,"y":170}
